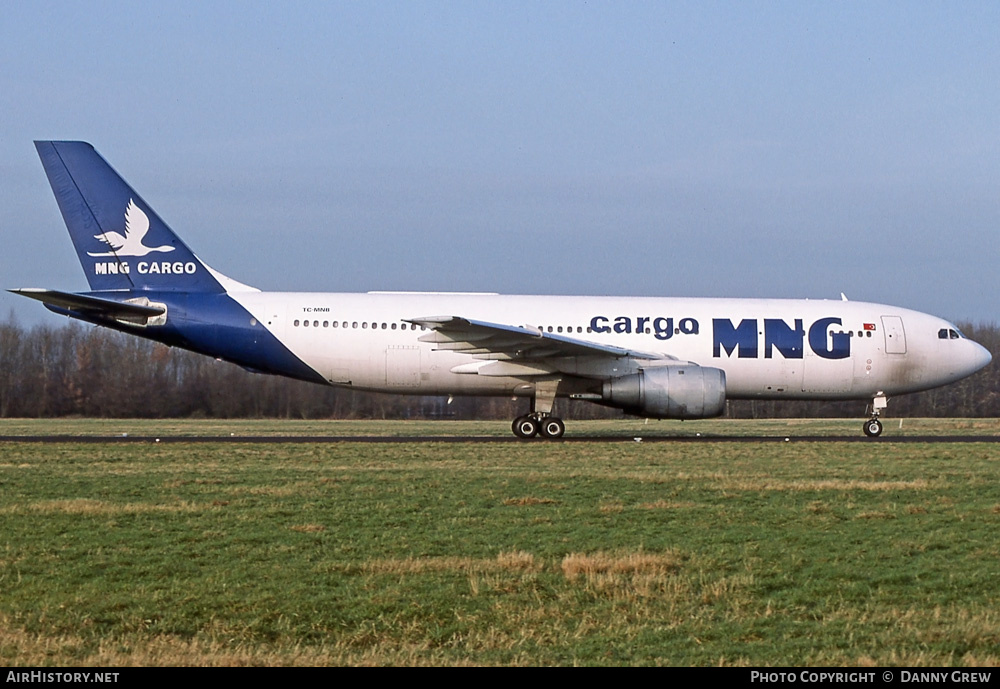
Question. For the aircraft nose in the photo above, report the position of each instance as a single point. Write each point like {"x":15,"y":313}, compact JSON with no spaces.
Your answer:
{"x":979,"y":358}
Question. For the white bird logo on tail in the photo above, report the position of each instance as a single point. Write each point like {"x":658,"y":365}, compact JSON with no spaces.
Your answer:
{"x":130,"y":244}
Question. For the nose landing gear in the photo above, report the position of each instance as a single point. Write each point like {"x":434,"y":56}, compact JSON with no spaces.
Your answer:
{"x":873,"y":427}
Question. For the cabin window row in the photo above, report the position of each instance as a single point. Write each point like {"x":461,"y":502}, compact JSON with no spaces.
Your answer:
{"x":567,"y":329}
{"x":413,"y":326}
{"x":356,"y":324}
{"x":299,"y":323}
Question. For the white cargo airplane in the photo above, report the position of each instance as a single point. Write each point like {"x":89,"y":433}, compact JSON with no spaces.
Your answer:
{"x":653,"y":357}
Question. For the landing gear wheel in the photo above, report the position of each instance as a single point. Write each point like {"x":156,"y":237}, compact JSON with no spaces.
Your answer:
{"x":873,"y":428}
{"x":552,"y":428}
{"x":525,"y":427}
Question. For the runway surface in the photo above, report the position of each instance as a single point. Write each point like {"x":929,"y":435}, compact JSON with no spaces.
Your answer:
{"x":276,"y":439}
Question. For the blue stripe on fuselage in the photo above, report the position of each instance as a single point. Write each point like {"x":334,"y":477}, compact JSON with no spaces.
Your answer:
{"x":211,"y":324}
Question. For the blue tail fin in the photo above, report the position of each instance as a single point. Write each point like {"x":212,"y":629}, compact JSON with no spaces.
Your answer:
{"x":121,"y":241}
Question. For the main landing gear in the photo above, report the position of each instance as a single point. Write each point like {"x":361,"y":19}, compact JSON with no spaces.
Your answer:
{"x":530,"y":425}
{"x":540,"y":420}
{"x":873,"y":427}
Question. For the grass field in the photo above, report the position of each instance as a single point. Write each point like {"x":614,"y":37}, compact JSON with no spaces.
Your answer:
{"x":528,"y":553}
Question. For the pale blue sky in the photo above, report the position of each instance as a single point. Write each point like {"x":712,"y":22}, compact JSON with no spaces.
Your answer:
{"x":792,"y":149}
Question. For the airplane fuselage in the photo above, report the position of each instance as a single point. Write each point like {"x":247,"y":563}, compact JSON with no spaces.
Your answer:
{"x":768,"y":348}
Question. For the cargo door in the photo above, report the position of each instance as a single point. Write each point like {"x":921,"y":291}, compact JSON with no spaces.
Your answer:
{"x":402,"y":367}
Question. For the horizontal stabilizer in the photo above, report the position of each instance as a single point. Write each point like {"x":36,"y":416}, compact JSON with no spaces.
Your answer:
{"x":95,"y":306}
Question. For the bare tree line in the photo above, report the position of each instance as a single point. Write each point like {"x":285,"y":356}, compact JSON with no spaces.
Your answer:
{"x":80,"y":370}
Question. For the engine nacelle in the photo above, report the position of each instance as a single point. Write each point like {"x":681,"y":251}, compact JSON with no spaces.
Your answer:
{"x":669,"y":392}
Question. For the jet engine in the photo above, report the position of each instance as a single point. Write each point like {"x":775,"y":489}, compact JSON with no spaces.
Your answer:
{"x":669,"y":392}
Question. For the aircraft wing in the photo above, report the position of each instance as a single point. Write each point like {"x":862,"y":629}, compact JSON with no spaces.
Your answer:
{"x":506,"y":342}
{"x":94,"y":306}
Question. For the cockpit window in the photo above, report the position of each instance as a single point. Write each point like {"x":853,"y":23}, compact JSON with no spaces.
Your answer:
{"x":949,"y":334}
